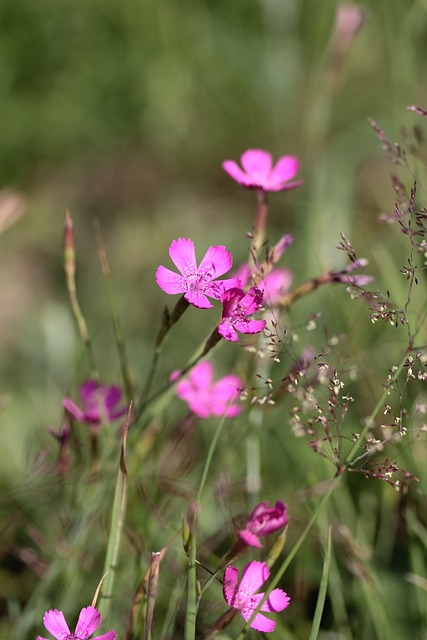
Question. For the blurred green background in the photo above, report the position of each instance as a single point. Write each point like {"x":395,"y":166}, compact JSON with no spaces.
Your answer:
{"x":125,"y":110}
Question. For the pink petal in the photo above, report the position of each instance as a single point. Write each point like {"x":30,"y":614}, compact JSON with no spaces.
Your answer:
{"x":73,"y":409}
{"x":110,"y":635}
{"x":272,"y":185}
{"x":40,"y":638}
{"x":276,"y":601}
{"x":224,"y":285}
{"x":54,"y":622}
{"x":257,"y":163}
{"x":183,"y":256}
{"x":275,"y":284}
{"x":89,"y":620}
{"x":227,"y":331}
{"x":242,"y":275}
{"x":261,"y":623}
{"x":230,"y":585}
{"x":285,"y":169}
{"x":201,"y":375}
{"x":216,"y":262}
{"x":170,"y":281}
{"x":87,"y":389}
{"x":224,"y":393}
{"x":250,"y":538}
{"x":249,"y":326}
{"x":251,"y":302}
{"x":253,"y":577}
{"x":198,"y":299}
{"x":233,"y":170}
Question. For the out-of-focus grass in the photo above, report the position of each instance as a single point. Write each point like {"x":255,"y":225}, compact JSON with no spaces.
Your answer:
{"x":125,"y":111}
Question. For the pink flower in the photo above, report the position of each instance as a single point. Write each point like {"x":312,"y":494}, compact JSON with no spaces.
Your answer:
{"x":236,"y":306}
{"x":260,"y":174}
{"x":263,"y":521}
{"x":89,"y":621}
{"x":196,"y":282}
{"x":205,"y":397}
{"x":243,"y":597}
{"x":99,"y":403}
{"x":274,"y":285}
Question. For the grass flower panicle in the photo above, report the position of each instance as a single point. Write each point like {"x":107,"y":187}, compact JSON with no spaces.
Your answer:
{"x":258,"y":172}
{"x":197,"y":283}
{"x":100,"y":403}
{"x":206,"y":398}
{"x":242,"y":595}
{"x":88,"y":622}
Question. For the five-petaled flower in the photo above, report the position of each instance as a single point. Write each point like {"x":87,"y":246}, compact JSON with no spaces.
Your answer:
{"x":258,"y":171}
{"x":99,"y":403}
{"x":205,"y":397}
{"x":263,"y":521}
{"x":196,"y":282}
{"x":236,"y":306}
{"x":243,"y":597}
{"x":89,"y":620}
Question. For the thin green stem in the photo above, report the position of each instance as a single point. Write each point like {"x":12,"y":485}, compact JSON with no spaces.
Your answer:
{"x":118,"y":333}
{"x":192,"y":604}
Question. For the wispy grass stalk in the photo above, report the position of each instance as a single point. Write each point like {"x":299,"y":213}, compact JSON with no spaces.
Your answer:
{"x":118,"y":333}
{"x":322,"y":592}
{"x":116,"y":527}
{"x":70,"y":272}
{"x":191,"y":611}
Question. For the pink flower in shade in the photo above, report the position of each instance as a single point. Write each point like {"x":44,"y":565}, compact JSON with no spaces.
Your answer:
{"x":206,"y":398}
{"x":258,"y":171}
{"x":243,"y":597}
{"x":89,"y":620}
{"x":274,"y":285}
{"x":236,"y":306}
{"x":196,"y":282}
{"x":263,"y":521}
{"x":99,"y":403}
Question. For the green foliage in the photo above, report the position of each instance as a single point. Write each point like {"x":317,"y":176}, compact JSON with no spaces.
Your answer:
{"x":124,"y":111}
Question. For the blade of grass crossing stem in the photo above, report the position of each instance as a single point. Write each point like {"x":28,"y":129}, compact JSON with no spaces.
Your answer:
{"x":118,"y":334}
{"x":322,"y":592}
{"x":117,"y":522}
{"x":70,"y":273}
{"x":191,"y":612}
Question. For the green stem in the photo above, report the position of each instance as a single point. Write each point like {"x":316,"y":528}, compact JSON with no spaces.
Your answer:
{"x":118,"y":334}
{"x":190,"y":618}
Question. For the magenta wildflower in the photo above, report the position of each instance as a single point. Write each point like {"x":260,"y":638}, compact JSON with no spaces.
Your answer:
{"x":196,"y":282}
{"x":206,"y":398}
{"x":243,"y":597}
{"x":263,"y":521}
{"x":274,"y":285}
{"x":236,"y":306}
{"x":258,"y":171}
{"x":89,"y":620}
{"x":99,"y":403}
